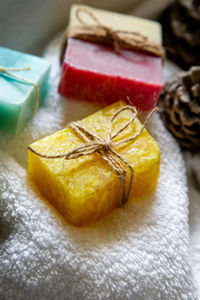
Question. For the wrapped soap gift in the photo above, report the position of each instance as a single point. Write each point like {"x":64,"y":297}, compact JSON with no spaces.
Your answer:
{"x":97,"y":67}
{"x":23,"y":86}
{"x":85,"y":170}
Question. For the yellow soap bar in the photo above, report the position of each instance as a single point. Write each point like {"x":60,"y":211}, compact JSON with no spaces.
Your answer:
{"x":117,"y":21}
{"x":86,"y":189}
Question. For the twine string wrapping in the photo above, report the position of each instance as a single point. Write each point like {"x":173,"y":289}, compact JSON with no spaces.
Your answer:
{"x":98,"y":32}
{"x":109,"y":32}
{"x":105,"y":148}
{"x":8,"y":71}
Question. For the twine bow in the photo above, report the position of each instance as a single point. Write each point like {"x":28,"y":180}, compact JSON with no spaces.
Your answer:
{"x":105,"y":148}
{"x":8,"y":71}
{"x":99,"y":32}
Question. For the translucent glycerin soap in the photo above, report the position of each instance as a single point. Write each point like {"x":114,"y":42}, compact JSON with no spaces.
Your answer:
{"x":86,"y":189}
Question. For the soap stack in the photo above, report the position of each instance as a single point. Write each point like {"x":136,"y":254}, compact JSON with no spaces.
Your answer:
{"x":97,"y":164}
{"x":96,"y":73}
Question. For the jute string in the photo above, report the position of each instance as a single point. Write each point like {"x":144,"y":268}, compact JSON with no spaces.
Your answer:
{"x":105,"y":148}
{"x":98,"y":32}
{"x":8,"y":71}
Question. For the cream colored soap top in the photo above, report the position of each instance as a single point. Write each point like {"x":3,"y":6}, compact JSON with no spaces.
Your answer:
{"x":118,"y":21}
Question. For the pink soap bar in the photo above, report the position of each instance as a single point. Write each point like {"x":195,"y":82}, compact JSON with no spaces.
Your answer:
{"x":94,"y":72}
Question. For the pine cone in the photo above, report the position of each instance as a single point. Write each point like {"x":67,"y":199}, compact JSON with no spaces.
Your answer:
{"x":181,"y":27}
{"x":180,"y":102}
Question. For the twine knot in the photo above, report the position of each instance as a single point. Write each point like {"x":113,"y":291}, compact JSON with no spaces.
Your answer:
{"x":109,"y":33}
{"x":112,"y":35}
{"x":105,"y":148}
{"x":106,"y":145}
{"x":8,"y":71}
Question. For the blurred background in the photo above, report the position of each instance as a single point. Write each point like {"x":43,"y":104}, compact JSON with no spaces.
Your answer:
{"x":27,"y":25}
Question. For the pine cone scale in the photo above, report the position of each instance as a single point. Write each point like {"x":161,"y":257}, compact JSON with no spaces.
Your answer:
{"x":196,"y":90}
{"x":192,"y":7}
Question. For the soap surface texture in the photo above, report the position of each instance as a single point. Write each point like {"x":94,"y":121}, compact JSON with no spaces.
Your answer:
{"x":86,"y":189}
{"x":17,"y":98}
{"x":95,"y":72}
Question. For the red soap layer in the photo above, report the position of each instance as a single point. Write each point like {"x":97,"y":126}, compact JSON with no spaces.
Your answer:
{"x":95,"y":73}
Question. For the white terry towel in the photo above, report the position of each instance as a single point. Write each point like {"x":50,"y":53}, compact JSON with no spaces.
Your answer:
{"x":140,"y":252}
{"x":193,"y":169}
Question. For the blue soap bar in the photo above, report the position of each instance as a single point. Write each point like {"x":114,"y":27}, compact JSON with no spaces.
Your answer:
{"x":17,"y":98}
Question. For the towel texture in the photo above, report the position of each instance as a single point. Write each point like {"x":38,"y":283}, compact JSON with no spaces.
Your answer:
{"x":139,"y":252}
{"x":193,"y":170}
